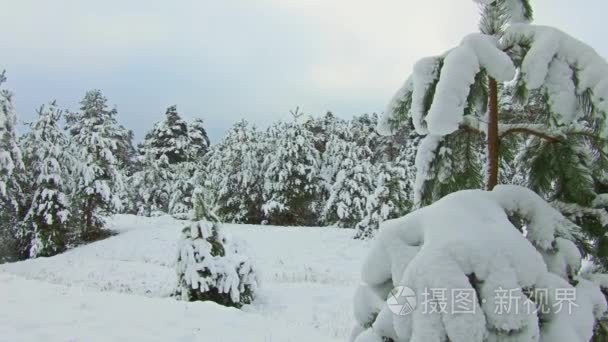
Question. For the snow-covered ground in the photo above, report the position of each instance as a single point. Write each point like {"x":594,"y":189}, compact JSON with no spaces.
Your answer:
{"x":117,"y":289}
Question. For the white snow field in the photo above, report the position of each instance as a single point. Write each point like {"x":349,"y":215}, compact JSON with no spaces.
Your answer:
{"x":117,"y":289}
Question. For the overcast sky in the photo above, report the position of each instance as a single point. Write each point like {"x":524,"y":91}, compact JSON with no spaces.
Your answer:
{"x":224,"y":60}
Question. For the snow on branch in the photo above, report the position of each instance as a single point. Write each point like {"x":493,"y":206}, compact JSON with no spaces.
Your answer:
{"x":564,"y":67}
{"x":426,"y":153}
{"x":467,"y":241}
{"x":448,"y":80}
{"x":397,"y":110}
{"x":426,"y":74}
{"x":577,"y":211}
{"x":544,"y":223}
{"x":601,"y":201}
{"x":461,"y":66}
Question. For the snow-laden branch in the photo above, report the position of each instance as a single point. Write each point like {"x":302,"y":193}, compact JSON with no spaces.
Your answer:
{"x":425,"y":155}
{"x":393,"y":110}
{"x":466,"y":242}
{"x":461,"y":66}
{"x":577,"y":211}
{"x":553,"y":134}
{"x":563,"y":67}
{"x":426,"y":73}
{"x":452,"y":76}
{"x":544,"y":223}
{"x":601,"y":201}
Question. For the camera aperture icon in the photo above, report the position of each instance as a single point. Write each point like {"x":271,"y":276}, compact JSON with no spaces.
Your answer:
{"x":401,"y":300}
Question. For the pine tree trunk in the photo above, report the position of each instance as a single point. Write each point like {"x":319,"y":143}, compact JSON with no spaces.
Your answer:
{"x":88,"y":217}
{"x":493,"y":143}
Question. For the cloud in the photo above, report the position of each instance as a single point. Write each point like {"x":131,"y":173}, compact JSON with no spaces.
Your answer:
{"x":225,"y":60}
{"x":76,"y":34}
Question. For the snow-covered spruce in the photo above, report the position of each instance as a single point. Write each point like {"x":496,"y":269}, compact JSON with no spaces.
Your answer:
{"x":211,"y":267}
{"x":466,"y":241}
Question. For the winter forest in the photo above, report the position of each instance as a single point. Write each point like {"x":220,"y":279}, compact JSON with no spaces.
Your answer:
{"x":474,"y":207}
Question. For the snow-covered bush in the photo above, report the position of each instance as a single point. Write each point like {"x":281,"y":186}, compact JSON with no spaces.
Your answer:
{"x":468,"y":243}
{"x":212,"y":267}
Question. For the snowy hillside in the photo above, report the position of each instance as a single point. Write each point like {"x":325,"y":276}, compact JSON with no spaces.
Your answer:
{"x":116,"y":289}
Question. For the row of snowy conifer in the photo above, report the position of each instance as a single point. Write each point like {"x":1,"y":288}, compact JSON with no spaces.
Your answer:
{"x":70,"y":169}
{"x":320,"y":171}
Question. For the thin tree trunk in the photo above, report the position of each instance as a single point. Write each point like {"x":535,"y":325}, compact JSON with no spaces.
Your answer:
{"x":88,"y":217}
{"x":493,"y":143}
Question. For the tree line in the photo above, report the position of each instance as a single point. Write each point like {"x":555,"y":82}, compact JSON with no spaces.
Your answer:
{"x":69,"y":170}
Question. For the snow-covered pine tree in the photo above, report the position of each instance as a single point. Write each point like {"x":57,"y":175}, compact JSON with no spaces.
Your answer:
{"x":44,"y":152}
{"x":456,"y":96}
{"x":363,"y":130}
{"x":352,"y":186}
{"x":291,"y":182}
{"x":334,"y":130}
{"x":128,"y":163}
{"x":169,"y":137}
{"x":11,"y":164}
{"x":390,"y":198}
{"x":127,"y":153}
{"x":98,"y":181}
{"x":153,"y":185}
{"x":199,"y":141}
{"x":453,"y":101}
{"x":235,"y":170}
{"x":323,"y":128}
{"x":211,"y":267}
{"x":182,"y":188}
